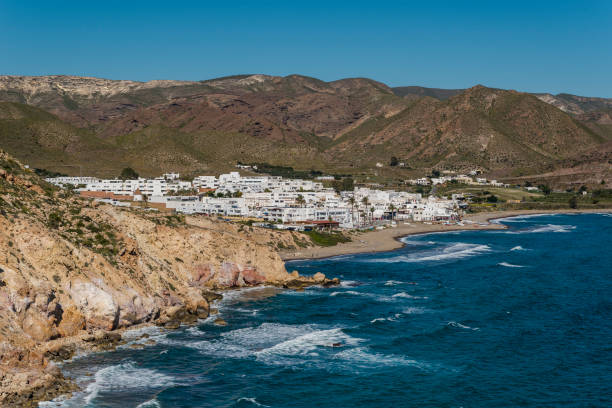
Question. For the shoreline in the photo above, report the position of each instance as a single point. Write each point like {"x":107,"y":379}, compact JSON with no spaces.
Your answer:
{"x":389,"y":239}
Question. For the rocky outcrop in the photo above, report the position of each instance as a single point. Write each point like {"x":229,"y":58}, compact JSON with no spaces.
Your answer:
{"x":73,"y":275}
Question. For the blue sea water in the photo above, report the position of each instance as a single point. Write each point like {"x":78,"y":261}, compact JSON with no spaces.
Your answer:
{"x":520,"y":317}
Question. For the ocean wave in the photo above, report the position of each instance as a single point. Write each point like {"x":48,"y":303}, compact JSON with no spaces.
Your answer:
{"x":361,"y":357}
{"x":455,"y":251}
{"x":377,"y":297}
{"x":349,"y":284}
{"x":305,"y":345}
{"x":274,"y":343}
{"x":409,"y":241}
{"x":543,"y":228}
{"x":142,"y":335}
{"x":126,"y":377}
{"x":518,"y":248}
{"x":388,"y":319}
{"x":251,"y":401}
{"x":152,"y":403}
{"x":461,"y":326}
{"x":509,"y":265}
{"x":413,"y":310}
{"x":521,"y":218}
{"x":408,"y":296}
{"x":349,"y":292}
{"x":393,"y":283}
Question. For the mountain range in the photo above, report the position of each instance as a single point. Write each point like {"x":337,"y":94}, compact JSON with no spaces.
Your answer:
{"x":97,"y":126}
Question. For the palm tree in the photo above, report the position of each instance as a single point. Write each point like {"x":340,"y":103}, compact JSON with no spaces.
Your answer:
{"x":392,"y":209}
{"x":352,"y":202}
{"x":371,"y":215}
{"x":300,"y":200}
{"x":365,"y":202}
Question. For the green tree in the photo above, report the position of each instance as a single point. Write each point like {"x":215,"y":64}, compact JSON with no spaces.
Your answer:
{"x":392,"y":209}
{"x":545,"y":188}
{"x":128,"y":174}
{"x":393,"y":162}
{"x":348,"y":184}
{"x":573,"y":202}
{"x":352,"y":202}
{"x":300,"y":200}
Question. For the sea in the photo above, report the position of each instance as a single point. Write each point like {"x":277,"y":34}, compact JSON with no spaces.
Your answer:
{"x":502,"y":318}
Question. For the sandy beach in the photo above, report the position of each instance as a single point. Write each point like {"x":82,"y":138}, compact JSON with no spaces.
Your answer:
{"x":388,"y":239}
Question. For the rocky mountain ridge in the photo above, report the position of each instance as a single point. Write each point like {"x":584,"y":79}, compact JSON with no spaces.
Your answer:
{"x":346,"y":126}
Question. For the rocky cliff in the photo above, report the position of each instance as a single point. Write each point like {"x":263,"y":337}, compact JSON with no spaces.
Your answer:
{"x":73,"y":273}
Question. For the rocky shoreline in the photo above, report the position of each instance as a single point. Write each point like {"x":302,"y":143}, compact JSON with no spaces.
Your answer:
{"x":28,"y":385}
{"x":74,"y":274}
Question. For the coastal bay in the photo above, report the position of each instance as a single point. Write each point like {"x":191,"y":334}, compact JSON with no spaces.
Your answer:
{"x":388,"y":239}
{"x":464,"y":318}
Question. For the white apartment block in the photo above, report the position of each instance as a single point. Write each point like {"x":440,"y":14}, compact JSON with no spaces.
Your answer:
{"x":276,"y":199}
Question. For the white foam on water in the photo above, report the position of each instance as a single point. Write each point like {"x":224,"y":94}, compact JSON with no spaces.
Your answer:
{"x":126,"y":377}
{"x":544,"y":228}
{"x":554,"y":228}
{"x":408,"y":296}
{"x":413,"y":310}
{"x":134,"y":334}
{"x":152,"y":403}
{"x":458,"y":250}
{"x":361,"y":357}
{"x":252,"y":401}
{"x":393,"y":283}
{"x":195,"y":331}
{"x":305,"y":345}
{"x":348,"y":284}
{"x":387,"y":319}
{"x":274,"y":343}
{"x":409,"y":241}
{"x":461,"y":326}
{"x":521,"y":218}
{"x":509,"y":265}
{"x":374,"y":296}
{"x":518,"y":248}
{"x":347,"y":292}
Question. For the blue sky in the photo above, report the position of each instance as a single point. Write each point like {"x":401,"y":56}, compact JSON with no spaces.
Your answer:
{"x":560,"y":46}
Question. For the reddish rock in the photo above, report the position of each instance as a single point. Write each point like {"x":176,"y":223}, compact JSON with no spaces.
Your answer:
{"x":252,"y":276}
{"x":201,"y":273}
{"x":228,"y":275}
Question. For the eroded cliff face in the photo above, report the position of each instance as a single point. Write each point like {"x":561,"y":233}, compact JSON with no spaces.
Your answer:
{"x":72,"y":271}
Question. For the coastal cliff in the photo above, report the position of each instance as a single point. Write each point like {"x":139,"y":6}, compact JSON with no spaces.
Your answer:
{"x":74,"y":273}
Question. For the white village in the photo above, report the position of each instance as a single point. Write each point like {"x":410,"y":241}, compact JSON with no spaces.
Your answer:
{"x":277,"y":202}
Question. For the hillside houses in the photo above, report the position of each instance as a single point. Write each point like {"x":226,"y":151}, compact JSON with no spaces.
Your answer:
{"x":268,"y":198}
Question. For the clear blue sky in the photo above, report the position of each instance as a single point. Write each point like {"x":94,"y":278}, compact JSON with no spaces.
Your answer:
{"x":553,"y":46}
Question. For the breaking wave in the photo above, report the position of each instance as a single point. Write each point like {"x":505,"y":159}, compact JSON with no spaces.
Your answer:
{"x":152,"y":403}
{"x":126,"y":377}
{"x":360,"y":357}
{"x":543,"y":228}
{"x":509,"y":265}
{"x":408,"y":296}
{"x":274,"y":343}
{"x":461,"y":326}
{"x":251,"y":401}
{"x":455,"y":251}
{"x":518,"y":248}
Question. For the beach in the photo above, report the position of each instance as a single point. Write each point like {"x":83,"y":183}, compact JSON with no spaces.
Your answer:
{"x":388,"y":239}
